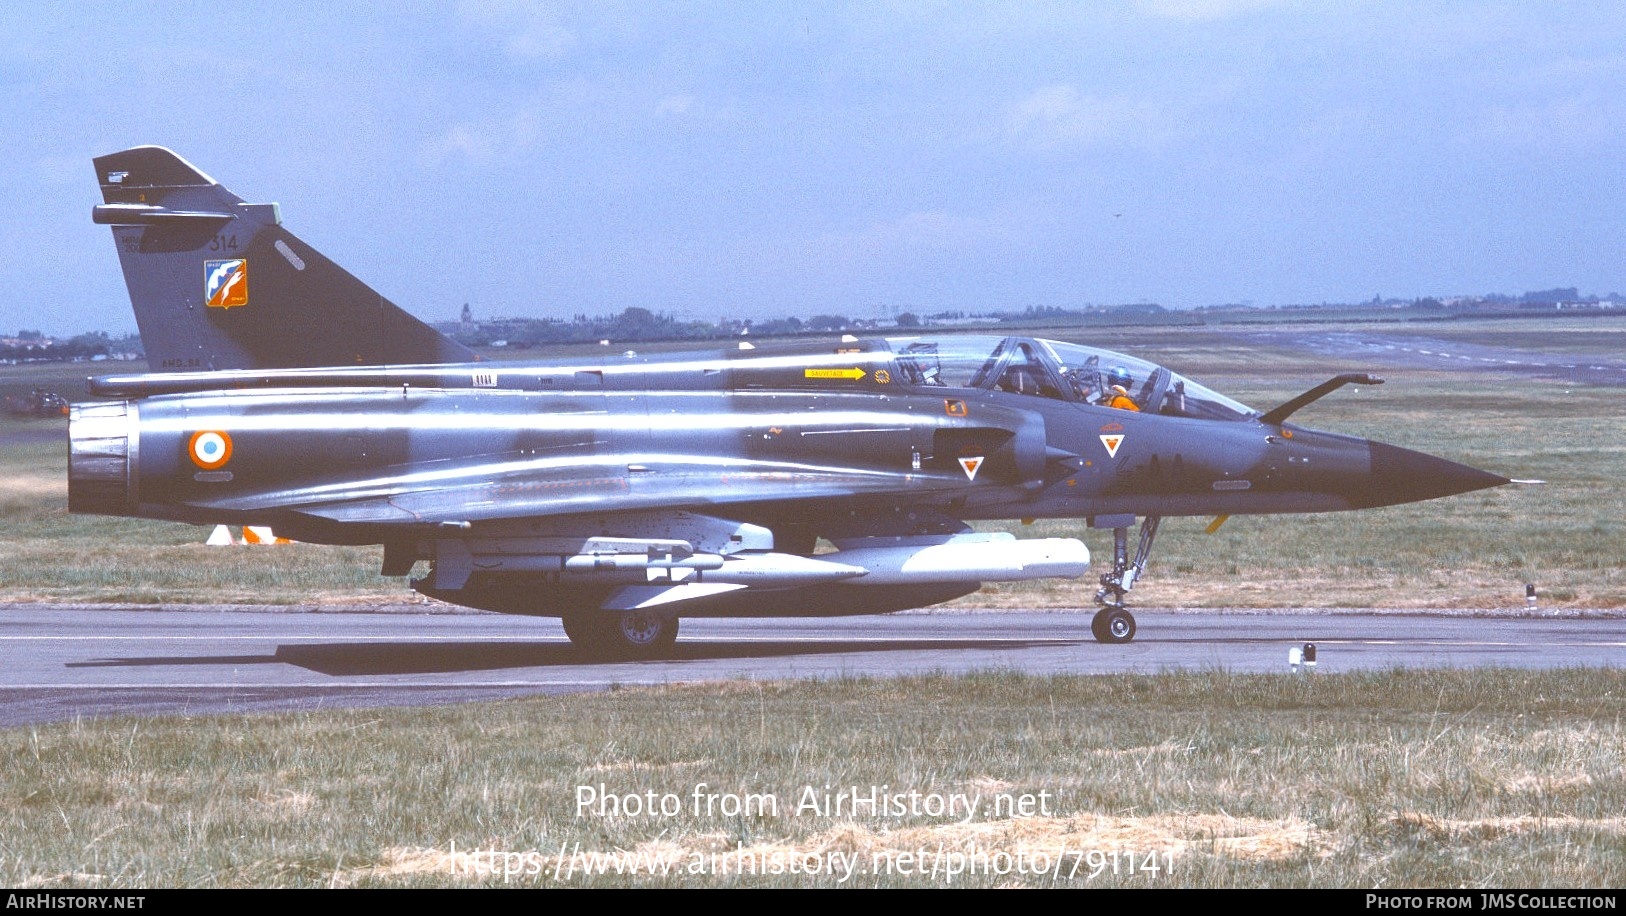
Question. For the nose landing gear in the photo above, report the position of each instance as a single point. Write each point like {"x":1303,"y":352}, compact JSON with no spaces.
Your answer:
{"x":1113,"y":623}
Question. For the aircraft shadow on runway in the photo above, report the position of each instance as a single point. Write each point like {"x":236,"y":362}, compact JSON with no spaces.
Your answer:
{"x":341,"y":659}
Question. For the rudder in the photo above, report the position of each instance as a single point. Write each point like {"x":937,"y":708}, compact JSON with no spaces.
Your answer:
{"x":217,"y":283}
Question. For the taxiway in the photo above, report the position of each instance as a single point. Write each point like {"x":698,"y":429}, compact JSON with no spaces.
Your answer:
{"x":65,"y":662}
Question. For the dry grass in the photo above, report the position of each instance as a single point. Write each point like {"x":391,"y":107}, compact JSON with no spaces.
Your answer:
{"x":1490,"y":828}
{"x":1064,"y":840}
{"x":1400,"y":779}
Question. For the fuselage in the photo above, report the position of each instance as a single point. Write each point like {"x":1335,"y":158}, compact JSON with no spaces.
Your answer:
{"x":803,"y":436}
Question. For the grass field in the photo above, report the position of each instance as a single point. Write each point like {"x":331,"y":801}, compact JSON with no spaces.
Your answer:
{"x":1476,"y":550}
{"x":1445,"y":779}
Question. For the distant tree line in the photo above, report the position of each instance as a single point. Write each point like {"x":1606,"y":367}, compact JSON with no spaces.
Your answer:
{"x":33,"y":346}
{"x":640,"y":324}
{"x":632,"y":324}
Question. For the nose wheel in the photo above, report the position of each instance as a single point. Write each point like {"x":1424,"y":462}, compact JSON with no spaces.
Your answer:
{"x":1113,"y":623}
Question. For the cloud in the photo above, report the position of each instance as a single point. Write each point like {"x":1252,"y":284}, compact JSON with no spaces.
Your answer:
{"x":922,"y":229}
{"x":1060,"y":115}
{"x":461,"y":140}
{"x":1204,"y":10}
{"x":691,"y":108}
{"x":529,"y":30}
{"x":911,"y":240}
{"x":482,"y":142}
{"x":1572,"y":122}
{"x":680,"y":104}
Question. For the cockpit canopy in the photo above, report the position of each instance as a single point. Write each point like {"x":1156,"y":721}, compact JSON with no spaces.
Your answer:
{"x":1062,"y":371}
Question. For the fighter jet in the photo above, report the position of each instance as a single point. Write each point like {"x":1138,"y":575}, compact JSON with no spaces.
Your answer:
{"x":622,"y":493}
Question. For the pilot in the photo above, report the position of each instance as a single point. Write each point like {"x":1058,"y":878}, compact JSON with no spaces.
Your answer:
{"x":1120,"y":399}
{"x":1118,"y":381}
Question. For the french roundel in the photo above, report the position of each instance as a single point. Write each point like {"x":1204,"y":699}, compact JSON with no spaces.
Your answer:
{"x":210,"y":449}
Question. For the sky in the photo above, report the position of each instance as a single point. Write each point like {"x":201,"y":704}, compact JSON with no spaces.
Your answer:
{"x":759,"y":159}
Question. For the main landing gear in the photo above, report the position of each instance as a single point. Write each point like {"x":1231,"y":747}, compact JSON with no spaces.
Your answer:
{"x":622,"y":635}
{"x":1113,"y":623}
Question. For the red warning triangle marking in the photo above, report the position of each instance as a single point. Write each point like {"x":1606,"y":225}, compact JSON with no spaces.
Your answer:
{"x":1112,"y":443}
{"x":970,"y":465}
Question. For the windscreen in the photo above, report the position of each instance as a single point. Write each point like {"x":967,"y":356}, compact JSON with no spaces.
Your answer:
{"x":1064,"y":371}
{"x":1090,"y":371}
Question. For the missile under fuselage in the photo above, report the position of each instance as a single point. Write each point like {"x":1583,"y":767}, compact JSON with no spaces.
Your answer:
{"x":964,"y":558}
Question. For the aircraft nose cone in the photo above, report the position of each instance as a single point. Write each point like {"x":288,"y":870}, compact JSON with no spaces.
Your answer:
{"x":1404,"y":476}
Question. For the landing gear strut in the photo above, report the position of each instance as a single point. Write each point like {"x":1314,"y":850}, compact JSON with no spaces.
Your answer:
{"x":1113,"y":623}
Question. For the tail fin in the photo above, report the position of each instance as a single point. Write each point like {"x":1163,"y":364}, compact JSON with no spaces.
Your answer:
{"x":217,"y":283}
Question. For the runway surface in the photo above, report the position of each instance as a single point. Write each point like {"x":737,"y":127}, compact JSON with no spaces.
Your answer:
{"x":58,"y":663}
{"x":1412,"y":350}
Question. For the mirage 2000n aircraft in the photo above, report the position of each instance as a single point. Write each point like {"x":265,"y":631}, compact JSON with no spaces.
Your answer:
{"x":625,"y":492}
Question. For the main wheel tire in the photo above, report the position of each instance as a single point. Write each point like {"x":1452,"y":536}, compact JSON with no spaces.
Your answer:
{"x":622,"y":634}
{"x":1113,"y":625}
{"x":581,"y":629}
